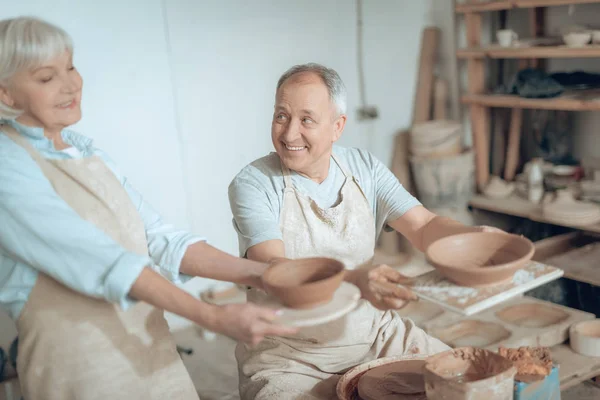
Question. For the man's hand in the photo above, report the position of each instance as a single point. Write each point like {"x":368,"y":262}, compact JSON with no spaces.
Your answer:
{"x":248,"y":323}
{"x":379,"y":285}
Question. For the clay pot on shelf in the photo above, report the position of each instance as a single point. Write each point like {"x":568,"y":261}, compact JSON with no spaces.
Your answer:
{"x":480,"y":258}
{"x":305,"y":282}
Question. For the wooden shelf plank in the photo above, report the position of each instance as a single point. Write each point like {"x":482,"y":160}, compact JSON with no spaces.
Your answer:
{"x":580,"y":264}
{"x":519,"y":207}
{"x":550,"y":3}
{"x":498,"y":5}
{"x":483,"y":6}
{"x":496,"y":51}
{"x":588,"y":100}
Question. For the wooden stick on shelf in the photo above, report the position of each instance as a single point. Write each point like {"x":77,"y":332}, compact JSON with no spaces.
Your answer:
{"x":514,"y":140}
{"x":423,"y":96}
{"x":498,"y":5}
{"x":479,"y":114}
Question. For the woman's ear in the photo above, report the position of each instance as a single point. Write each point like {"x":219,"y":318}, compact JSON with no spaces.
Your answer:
{"x":5,"y":97}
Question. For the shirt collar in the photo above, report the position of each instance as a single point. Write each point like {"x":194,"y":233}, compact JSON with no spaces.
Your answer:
{"x":41,"y":142}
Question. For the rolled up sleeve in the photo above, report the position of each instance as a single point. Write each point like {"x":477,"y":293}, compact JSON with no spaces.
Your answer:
{"x":254,"y":218}
{"x":40,"y":229}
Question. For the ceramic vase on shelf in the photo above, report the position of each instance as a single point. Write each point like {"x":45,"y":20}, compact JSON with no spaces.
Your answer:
{"x":535,"y":181}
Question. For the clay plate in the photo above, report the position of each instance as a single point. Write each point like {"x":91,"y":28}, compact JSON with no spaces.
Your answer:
{"x":532,"y":315}
{"x":480,"y":258}
{"x":400,"y":380}
{"x":305,"y":282}
{"x":471,"y":333}
{"x":347,"y":386}
{"x":344,"y":300}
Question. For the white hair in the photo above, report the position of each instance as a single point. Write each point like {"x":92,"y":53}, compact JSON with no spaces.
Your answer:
{"x":331,"y":79}
{"x":27,"y":43}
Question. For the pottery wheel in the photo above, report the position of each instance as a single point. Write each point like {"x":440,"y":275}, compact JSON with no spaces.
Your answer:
{"x":394,"y":381}
{"x":344,"y":300}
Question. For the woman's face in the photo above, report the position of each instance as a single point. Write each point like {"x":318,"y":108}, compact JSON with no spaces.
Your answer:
{"x":49,"y":95}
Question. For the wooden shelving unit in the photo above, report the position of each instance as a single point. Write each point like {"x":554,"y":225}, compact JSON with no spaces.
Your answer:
{"x":480,"y":102}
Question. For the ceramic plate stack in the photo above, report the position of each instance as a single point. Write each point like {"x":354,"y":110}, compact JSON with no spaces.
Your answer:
{"x":565,"y":210}
{"x":436,"y":138}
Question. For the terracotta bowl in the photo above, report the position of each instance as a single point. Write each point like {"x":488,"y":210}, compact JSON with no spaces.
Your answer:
{"x":305,"y":282}
{"x":480,"y":258}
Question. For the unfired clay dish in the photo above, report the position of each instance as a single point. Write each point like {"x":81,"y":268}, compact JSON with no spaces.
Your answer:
{"x":498,"y":188}
{"x":532,"y":315}
{"x":472,"y":333}
{"x":469,"y":373}
{"x":585,"y":338}
{"x":305,"y":282}
{"x":480,"y":258}
{"x":347,"y":386}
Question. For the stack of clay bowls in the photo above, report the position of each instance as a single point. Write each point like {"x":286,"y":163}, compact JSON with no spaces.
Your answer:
{"x":436,"y":138}
{"x":565,"y":210}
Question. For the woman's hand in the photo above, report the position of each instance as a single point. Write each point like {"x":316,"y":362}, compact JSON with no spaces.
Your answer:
{"x":248,"y":323}
{"x":379,"y":285}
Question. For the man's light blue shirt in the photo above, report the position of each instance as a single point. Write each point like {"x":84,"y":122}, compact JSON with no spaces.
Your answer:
{"x":40,"y":232}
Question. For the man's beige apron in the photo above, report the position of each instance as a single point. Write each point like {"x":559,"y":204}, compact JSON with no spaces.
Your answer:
{"x":308,"y":365}
{"x":76,"y":347}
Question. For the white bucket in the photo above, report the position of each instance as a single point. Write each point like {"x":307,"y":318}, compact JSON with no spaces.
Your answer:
{"x":444,"y":181}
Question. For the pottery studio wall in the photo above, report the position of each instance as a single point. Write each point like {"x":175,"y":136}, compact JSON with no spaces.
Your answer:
{"x":180,"y":93}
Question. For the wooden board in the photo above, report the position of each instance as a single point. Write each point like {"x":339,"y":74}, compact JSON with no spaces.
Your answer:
{"x":468,"y":301}
{"x":582,"y":264}
{"x":521,"y":334}
{"x":423,"y":96}
{"x":574,"y":368}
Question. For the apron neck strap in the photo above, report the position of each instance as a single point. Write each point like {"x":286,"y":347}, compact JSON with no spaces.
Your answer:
{"x":287,"y":179}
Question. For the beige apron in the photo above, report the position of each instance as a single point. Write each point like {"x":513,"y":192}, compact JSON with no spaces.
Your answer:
{"x":76,"y":347}
{"x":308,"y":365}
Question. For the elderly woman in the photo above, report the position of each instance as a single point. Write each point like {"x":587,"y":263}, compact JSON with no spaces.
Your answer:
{"x":78,"y":246}
{"x":312,"y":198}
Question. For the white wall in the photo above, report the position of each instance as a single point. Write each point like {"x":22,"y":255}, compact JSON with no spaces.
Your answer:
{"x":192,"y":84}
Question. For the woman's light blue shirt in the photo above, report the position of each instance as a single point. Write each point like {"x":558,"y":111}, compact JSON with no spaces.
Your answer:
{"x":40,"y":232}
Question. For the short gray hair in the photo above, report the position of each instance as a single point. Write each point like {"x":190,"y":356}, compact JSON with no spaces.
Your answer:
{"x":331,"y":79}
{"x":27,"y":43}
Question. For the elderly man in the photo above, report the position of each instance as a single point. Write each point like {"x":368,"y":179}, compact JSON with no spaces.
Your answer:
{"x":312,"y":198}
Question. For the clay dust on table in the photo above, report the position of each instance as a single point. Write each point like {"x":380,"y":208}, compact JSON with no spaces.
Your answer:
{"x":532,"y":363}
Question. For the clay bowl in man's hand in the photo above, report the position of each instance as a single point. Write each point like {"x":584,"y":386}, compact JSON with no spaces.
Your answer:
{"x":305,"y":282}
{"x":480,"y":258}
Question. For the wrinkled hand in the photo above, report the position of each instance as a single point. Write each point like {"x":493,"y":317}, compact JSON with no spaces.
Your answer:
{"x":379,"y":285}
{"x":249,"y":323}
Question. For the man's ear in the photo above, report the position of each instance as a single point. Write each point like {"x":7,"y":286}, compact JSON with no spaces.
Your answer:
{"x":338,"y":126}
